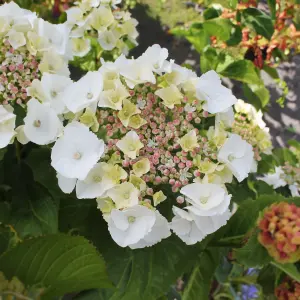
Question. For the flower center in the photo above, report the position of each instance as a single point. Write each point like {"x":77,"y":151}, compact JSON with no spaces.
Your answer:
{"x":126,"y":196}
{"x":77,"y":156}
{"x":89,"y":96}
{"x":53,"y":94}
{"x":97,"y":179}
{"x":37,"y":123}
{"x":115,"y":99}
{"x":204,"y":200}
{"x":231,"y":157}
{"x":131,"y":219}
{"x":131,"y":147}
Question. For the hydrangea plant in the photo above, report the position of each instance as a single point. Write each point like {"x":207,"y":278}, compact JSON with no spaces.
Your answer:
{"x":140,"y":153}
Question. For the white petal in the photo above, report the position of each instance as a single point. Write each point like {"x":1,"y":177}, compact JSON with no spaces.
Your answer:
{"x":67,"y":185}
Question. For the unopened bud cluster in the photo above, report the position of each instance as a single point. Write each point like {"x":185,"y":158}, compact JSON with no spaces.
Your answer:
{"x":280,"y":231}
{"x":289,"y":289}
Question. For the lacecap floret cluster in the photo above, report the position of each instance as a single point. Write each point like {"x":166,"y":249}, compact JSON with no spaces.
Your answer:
{"x":114,"y":29}
{"x":136,"y":134}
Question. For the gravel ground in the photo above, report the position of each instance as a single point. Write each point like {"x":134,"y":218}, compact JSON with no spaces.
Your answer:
{"x":284,"y":123}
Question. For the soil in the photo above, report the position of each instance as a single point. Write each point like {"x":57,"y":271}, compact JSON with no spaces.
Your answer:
{"x":284,"y":123}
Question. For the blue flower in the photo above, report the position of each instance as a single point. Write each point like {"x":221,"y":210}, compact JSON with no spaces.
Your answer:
{"x":249,"y":292}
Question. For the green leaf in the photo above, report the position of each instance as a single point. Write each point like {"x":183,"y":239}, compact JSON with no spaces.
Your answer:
{"x":211,"y":13}
{"x":242,"y":70}
{"x":248,"y":212}
{"x":37,"y":215}
{"x":196,"y":35}
{"x":39,"y":161}
{"x":137,"y":274}
{"x":8,"y":238}
{"x":235,"y":37}
{"x":289,"y":269}
{"x":259,"y":21}
{"x":272,"y":6}
{"x":34,"y":211}
{"x":267,"y":279}
{"x":199,"y":283}
{"x":2,"y":153}
{"x":4,"y":212}
{"x":240,"y":192}
{"x":253,"y":254}
{"x":257,"y":95}
{"x":218,"y":27}
{"x":271,"y":71}
{"x":282,"y":155}
{"x":60,"y":263}
{"x":209,"y":60}
{"x":267,"y":164}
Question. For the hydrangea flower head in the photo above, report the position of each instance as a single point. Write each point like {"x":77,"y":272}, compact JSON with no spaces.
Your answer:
{"x":29,"y":46}
{"x":280,"y":231}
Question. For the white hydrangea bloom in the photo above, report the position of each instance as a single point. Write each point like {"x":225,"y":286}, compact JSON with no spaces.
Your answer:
{"x":237,"y":155}
{"x":57,"y":36}
{"x":7,"y":125}
{"x":124,"y":195}
{"x":41,"y":124}
{"x":12,"y":11}
{"x":135,"y":71}
{"x":159,"y":231}
{"x":130,"y":144}
{"x":76,"y":152}
{"x":16,"y":39}
{"x":191,"y":228}
{"x":274,"y":179}
{"x":206,"y":199}
{"x":107,"y":40}
{"x":157,"y":57}
{"x":53,"y":87}
{"x":84,"y":92}
{"x":131,"y":225}
{"x":217,"y":97}
{"x":248,"y":109}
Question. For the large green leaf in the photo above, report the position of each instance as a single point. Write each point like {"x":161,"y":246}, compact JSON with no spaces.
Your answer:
{"x":253,"y":254}
{"x":199,"y":283}
{"x":289,"y":269}
{"x":259,"y":21}
{"x":242,"y":70}
{"x":38,"y":215}
{"x":33,"y":211}
{"x":218,"y":27}
{"x":60,"y":263}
